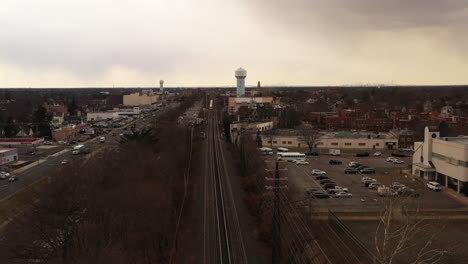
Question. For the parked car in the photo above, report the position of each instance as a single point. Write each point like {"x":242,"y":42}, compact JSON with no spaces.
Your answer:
{"x":322,"y":182}
{"x":434,"y":186}
{"x":406,"y":191}
{"x":369,"y":181}
{"x":4,"y":175}
{"x":335,"y":162}
{"x":343,"y":195}
{"x":318,"y":172}
{"x":374,"y":185}
{"x":300,"y":162}
{"x":367,"y":171}
{"x":354,"y":164}
{"x":322,"y":177}
{"x":337,"y":189}
{"x":361,"y":167}
{"x":64,"y":162}
{"x":311,"y":190}
{"x":386,"y":192}
{"x":12,"y":178}
{"x":377,"y":154}
{"x":397,"y":161}
{"x":391,"y":159}
{"x":397,"y":185}
{"x":319,"y":195}
{"x":47,"y":143}
{"x":365,"y":178}
{"x":350,"y":171}
{"x":329,"y":185}
{"x":362,"y":154}
{"x":310,"y":153}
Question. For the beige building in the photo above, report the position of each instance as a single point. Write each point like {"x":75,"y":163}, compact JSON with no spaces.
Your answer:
{"x":442,"y":159}
{"x":337,"y":140}
{"x":65,"y":133}
{"x":357,"y":140}
{"x":145,"y":98}
{"x":234,"y":103}
{"x":251,"y":127}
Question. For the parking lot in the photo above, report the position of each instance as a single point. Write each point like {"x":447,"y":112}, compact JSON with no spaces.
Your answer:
{"x":300,"y":180}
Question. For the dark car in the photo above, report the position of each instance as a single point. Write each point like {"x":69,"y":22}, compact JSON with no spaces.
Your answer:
{"x":361,"y":167}
{"x":310,"y":153}
{"x":319,"y":195}
{"x":355,"y":165}
{"x":362,"y":154}
{"x":327,"y":186}
{"x":367,"y":171}
{"x":311,"y":190}
{"x":335,"y":162}
{"x":351,"y":171}
{"x":322,"y":182}
{"x":322,"y":177}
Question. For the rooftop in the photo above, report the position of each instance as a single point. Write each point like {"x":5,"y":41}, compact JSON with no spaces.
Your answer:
{"x":4,"y":150}
{"x":462,"y":140}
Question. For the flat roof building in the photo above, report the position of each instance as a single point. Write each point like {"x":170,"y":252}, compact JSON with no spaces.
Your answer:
{"x":8,"y":155}
{"x":442,"y":159}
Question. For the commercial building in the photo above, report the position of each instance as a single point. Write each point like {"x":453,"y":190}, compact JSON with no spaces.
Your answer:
{"x":251,"y":127}
{"x":140,"y":98}
{"x":442,"y":159}
{"x":115,"y":113}
{"x":8,"y":155}
{"x":406,"y":137}
{"x":357,"y":140}
{"x":234,"y":103}
{"x":20,"y":141}
{"x":283,"y":138}
{"x":65,"y":133}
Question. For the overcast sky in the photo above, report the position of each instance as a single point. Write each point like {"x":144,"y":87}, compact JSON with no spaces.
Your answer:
{"x":101,"y":43}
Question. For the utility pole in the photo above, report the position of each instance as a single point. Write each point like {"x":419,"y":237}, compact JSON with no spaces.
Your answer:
{"x":276,"y":249}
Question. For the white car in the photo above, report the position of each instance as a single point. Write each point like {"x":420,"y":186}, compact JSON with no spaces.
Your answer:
{"x":353,"y":163}
{"x":300,"y":162}
{"x":364,"y":179}
{"x":374,"y":185}
{"x":318,"y":172}
{"x":343,"y":195}
{"x":12,"y":178}
{"x":391,"y":159}
{"x":4,"y":175}
{"x":435,"y":186}
{"x":397,"y":161}
{"x":377,"y":154}
{"x":64,"y":162}
{"x":337,"y":189}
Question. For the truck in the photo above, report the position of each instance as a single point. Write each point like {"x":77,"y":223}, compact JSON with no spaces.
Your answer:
{"x":335,"y":152}
{"x":77,"y":149}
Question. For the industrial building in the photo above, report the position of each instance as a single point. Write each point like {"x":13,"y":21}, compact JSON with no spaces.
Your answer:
{"x":442,"y":159}
{"x":8,"y":155}
{"x":357,"y":140}
{"x":250,"y":127}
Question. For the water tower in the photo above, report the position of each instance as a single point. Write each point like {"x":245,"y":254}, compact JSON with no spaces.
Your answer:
{"x":161,"y":86}
{"x":240,"y":76}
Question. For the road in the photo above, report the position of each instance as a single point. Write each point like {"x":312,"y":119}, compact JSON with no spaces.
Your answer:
{"x":51,"y":163}
{"x":223,"y":241}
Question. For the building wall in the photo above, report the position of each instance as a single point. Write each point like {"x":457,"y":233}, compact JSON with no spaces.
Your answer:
{"x":138,"y":99}
{"x":66,"y":133}
{"x":450,"y":159}
{"x":357,"y":143}
{"x":283,"y":141}
{"x":100,"y":116}
{"x":8,"y":155}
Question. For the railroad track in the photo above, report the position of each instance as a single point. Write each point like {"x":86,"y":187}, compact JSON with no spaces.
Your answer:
{"x":223,"y":242}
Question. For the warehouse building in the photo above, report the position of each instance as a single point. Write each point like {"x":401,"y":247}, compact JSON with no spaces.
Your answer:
{"x":442,"y":159}
{"x":357,"y":140}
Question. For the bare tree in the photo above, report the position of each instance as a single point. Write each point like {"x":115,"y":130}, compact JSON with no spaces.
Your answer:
{"x":309,"y":135}
{"x":405,"y":235}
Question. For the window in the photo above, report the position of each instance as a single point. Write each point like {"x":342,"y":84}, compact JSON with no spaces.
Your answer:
{"x":348,"y":144}
{"x":274,"y":142}
{"x":377,"y":144}
{"x":289,"y":142}
{"x":334,"y":143}
{"x":362,"y":144}
{"x":269,"y":141}
{"x":284,"y":142}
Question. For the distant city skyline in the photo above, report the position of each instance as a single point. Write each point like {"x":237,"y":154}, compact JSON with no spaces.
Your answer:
{"x":105,"y":43}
